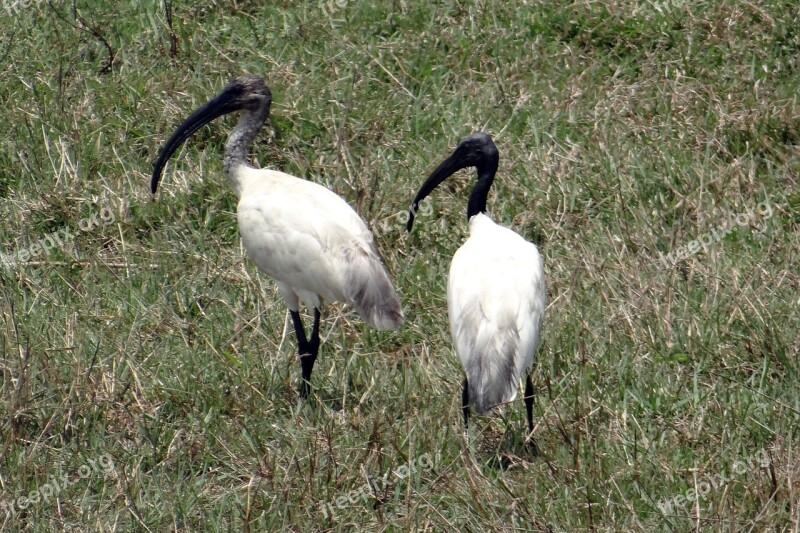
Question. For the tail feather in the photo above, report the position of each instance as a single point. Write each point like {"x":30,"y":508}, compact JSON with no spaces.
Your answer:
{"x":369,"y":290}
{"x":491,"y":370}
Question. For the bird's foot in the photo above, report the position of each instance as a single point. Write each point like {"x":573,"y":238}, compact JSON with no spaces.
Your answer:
{"x":305,"y":389}
{"x":531,"y":446}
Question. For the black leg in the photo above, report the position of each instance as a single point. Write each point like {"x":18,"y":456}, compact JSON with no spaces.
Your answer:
{"x":307,"y":361}
{"x":465,"y":402}
{"x":314,"y":342}
{"x":306,"y":349}
{"x":299,"y":330}
{"x":529,"y":409}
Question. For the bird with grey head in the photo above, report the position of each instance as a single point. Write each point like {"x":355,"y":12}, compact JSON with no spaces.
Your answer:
{"x":307,"y":238}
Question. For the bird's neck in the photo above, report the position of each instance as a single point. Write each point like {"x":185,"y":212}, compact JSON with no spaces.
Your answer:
{"x":480,"y":192}
{"x":238,"y":145}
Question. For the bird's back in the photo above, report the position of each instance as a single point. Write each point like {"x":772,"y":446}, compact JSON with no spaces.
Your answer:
{"x":496,"y":300}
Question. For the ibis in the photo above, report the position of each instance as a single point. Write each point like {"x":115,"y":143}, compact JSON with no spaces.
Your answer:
{"x":495,"y":290}
{"x":306,"y":237}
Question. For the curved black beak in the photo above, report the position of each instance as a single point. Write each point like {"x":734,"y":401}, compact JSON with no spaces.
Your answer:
{"x":226,"y":102}
{"x":477,"y":150}
{"x":458,"y":159}
{"x":248,"y":92}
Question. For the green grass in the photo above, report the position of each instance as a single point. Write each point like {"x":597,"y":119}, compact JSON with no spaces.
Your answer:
{"x":626,"y":130}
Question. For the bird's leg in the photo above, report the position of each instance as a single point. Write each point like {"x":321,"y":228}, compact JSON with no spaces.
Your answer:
{"x":307,"y":362}
{"x":314,"y":342}
{"x":303,"y":350}
{"x":529,"y":409}
{"x":465,"y":402}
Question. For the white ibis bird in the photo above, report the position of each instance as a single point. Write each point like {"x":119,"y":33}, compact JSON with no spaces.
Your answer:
{"x":495,"y":291}
{"x":306,"y":237}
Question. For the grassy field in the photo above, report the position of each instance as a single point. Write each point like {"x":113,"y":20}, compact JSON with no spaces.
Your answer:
{"x":650,"y":150}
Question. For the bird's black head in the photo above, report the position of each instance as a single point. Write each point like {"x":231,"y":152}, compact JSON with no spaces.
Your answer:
{"x":248,"y":92}
{"x":478,"y":150}
{"x":245,"y":93}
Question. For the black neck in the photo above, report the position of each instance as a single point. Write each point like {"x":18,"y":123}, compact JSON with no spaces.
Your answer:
{"x":480,"y":192}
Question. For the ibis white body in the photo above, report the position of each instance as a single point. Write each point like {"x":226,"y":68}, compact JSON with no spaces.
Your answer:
{"x":496,"y":301}
{"x":313,"y":244}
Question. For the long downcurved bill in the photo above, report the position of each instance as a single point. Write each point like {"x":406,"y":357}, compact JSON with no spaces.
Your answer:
{"x":447,"y":168}
{"x":218,"y":106}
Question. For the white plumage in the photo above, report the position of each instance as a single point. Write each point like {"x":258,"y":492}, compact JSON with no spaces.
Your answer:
{"x":496,"y":294}
{"x":307,"y":238}
{"x":495,"y":302}
{"x":314,"y":245}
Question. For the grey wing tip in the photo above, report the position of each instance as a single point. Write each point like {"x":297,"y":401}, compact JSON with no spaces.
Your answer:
{"x":490,"y":376}
{"x":387,"y":316}
{"x":487,"y":402}
{"x":371,"y":292}
{"x":390,"y":321}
